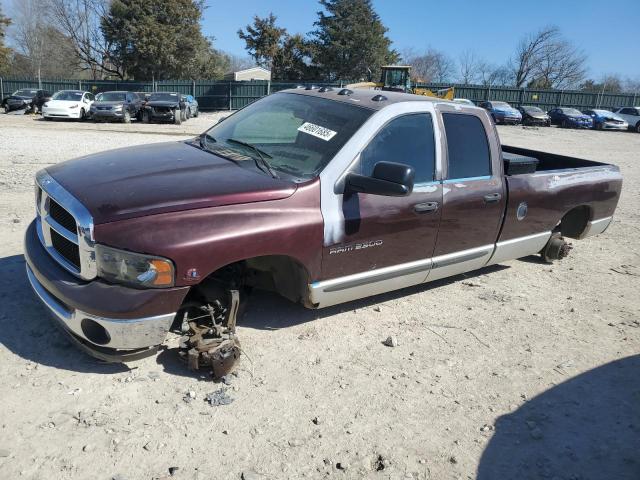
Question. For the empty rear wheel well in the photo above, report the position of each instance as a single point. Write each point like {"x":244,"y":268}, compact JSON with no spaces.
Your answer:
{"x":575,"y":221}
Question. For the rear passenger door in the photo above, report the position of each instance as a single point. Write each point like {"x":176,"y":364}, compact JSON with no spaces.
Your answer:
{"x":473,"y":195}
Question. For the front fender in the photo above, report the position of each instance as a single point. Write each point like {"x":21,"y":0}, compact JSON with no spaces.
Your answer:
{"x":207,"y":239}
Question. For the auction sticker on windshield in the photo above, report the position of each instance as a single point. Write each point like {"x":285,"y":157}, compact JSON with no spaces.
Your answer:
{"x":317,"y":131}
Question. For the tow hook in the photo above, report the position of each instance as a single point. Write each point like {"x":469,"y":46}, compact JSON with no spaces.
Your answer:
{"x":556,"y":248}
{"x":207,"y":341}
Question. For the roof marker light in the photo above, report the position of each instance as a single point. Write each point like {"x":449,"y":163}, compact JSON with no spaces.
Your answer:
{"x":345,"y":91}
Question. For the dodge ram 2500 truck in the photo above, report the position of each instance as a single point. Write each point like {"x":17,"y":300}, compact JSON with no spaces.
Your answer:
{"x":321,"y":195}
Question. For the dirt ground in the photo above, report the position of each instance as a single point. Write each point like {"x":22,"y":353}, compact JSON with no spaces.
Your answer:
{"x":519,"y":371}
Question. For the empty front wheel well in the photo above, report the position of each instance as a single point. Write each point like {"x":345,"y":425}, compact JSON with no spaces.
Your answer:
{"x":574,"y":222}
{"x":277,"y":273}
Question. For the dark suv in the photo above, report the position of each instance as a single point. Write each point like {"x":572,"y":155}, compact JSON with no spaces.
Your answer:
{"x":165,"y":106}
{"x":26,"y":98}
{"x":121,"y":106}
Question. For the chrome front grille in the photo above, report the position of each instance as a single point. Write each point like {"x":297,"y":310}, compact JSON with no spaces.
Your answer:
{"x":67,"y":249}
{"x":65,"y":227}
{"x":60,"y":215}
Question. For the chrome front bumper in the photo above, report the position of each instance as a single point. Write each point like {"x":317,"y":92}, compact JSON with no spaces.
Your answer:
{"x":107,"y":334}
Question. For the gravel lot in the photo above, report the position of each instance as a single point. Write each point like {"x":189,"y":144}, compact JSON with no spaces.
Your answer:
{"x":519,"y":371}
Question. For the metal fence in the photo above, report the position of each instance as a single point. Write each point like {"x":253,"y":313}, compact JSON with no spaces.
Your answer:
{"x":226,"y":95}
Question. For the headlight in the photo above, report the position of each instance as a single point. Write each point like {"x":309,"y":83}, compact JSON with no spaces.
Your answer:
{"x":45,"y":105}
{"x":136,"y":269}
{"x":74,"y":106}
{"x":118,"y":108}
{"x":93,"y":108}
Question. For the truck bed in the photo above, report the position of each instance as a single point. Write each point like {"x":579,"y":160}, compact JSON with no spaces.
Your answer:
{"x":566,"y":190}
{"x":551,"y":161}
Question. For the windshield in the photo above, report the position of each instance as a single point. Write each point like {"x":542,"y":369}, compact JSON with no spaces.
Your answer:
{"x":163,"y":97}
{"x":571,"y":111}
{"x":500,"y":104}
{"x":532,"y":110}
{"x":111,"y":97}
{"x":296,"y":134}
{"x":25,"y":92}
{"x":67,"y":95}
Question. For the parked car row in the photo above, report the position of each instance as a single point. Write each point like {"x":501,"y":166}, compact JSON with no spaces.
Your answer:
{"x":623,"y":118}
{"x":122,"y":106}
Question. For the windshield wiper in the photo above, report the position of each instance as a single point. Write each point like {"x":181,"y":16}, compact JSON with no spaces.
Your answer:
{"x":203,"y":140}
{"x":261,"y":163}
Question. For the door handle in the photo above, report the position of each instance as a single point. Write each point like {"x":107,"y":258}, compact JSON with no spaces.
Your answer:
{"x":492,"y":198}
{"x":426,"y":207}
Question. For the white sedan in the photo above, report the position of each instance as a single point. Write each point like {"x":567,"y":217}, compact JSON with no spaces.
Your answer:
{"x":68,"y":104}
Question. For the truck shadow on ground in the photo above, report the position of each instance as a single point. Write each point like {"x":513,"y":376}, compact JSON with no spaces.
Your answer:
{"x":585,"y":428}
{"x":268,"y":311}
{"x":27,"y":330}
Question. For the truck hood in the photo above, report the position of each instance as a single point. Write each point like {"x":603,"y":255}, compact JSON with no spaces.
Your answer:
{"x":162,"y":177}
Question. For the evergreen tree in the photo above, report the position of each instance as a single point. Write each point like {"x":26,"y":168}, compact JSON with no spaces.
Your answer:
{"x":351,"y":41}
{"x":293,"y":60}
{"x":4,"y":51}
{"x":160,"y":39}
{"x":263,"y":40}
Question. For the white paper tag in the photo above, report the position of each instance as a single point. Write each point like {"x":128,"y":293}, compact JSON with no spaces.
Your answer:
{"x":317,"y":131}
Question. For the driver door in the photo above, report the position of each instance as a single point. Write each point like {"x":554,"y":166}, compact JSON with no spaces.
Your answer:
{"x":391,"y":232}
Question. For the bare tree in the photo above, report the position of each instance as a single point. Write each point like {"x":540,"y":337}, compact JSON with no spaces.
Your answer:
{"x":237,"y":62}
{"x":28,"y":33}
{"x":560,"y":65}
{"x":490,"y":74}
{"x":468,"y":67}
{"x":526,"y":59}
{"x":545,"y":60}
{"x":80,"y":20}
{"x":632,"y":84}
{"x":430,"y":66}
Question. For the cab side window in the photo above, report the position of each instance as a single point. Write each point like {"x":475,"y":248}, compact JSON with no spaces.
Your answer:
{"x":467,"y":145}
{"x":408,"y":140}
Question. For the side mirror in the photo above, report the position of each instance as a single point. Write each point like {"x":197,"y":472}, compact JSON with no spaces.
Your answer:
{"x":389,"y":179}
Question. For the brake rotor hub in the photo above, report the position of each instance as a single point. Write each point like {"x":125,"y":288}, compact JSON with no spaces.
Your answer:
{"x":209,"y":339}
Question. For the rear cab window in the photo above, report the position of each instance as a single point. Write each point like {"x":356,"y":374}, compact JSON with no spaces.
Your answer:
{"x":468,"y":147}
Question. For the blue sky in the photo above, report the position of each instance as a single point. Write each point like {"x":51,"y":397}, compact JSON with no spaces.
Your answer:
{"x":608,"y":31}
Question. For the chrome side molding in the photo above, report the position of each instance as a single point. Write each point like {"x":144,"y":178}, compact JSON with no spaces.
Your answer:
{"x":359,"y":285}
{"x":596,"y":227}
{"x":364,"y":284}
{"x":519,"y":247}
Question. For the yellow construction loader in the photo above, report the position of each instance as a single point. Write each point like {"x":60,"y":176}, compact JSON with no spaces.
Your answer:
{"x":397,"y":78}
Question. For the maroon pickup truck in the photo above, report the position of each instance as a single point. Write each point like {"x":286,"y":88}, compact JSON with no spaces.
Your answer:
{"x":321,"y":195}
